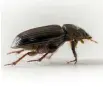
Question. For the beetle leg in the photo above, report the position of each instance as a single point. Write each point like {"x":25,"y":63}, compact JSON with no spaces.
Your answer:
{"x":15,"y":62}
{"x":40,"y":59}
{"x":73,"y":45}
{"x":50,"y":55}
{"x":15,"y":52}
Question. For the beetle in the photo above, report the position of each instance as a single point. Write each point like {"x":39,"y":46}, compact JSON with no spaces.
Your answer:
{"x":47,"y":39}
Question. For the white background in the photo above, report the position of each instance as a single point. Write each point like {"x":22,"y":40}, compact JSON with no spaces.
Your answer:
{"x":20,"y":15}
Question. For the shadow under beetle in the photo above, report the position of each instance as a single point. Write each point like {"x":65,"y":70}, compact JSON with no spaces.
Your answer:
{"x":47,"y":39}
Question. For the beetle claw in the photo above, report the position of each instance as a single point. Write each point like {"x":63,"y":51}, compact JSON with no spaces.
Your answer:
{"x":13,"y":63}
{"x":75,"y":61}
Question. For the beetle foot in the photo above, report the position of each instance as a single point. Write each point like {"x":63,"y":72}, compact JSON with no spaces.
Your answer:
{"x":13,"y":63}
{"x":39,"y":60}
{"x":75,"y":61}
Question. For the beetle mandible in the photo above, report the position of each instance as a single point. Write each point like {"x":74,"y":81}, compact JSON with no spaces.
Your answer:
{"x":47,"y":39}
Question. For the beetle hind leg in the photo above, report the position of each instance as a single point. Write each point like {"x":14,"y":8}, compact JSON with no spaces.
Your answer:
{"x":19,"y":51}
{"x":15,"y":62}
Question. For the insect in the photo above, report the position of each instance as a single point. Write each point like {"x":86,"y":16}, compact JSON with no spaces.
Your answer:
{"x":47,"y":39}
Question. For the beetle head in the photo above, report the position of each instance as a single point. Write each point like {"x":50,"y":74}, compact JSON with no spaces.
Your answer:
{"x":74,"y":32}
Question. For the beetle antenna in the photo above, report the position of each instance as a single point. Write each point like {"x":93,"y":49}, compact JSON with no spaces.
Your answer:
{"x":94,"y":41}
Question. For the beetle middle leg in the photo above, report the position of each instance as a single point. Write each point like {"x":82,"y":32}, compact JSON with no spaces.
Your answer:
{"x":50,"y":55}
{"x":15,"y":62}
{"x":40,"y":59}
{"x":73,"y":45}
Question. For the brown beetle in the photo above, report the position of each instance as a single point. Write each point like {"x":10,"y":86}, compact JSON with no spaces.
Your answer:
{"x":48,"y":39}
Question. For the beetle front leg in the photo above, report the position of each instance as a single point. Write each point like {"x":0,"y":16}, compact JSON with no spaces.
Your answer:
{"x":73,"y":45}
